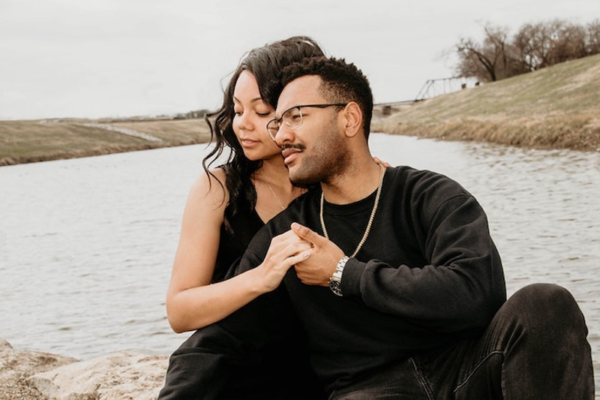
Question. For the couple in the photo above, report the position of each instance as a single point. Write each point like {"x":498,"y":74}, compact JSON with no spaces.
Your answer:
{"x":378,"y":282}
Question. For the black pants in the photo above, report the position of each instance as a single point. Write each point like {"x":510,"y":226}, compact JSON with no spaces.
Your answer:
{"x":535,"y":348}
{"x":258,"y":352}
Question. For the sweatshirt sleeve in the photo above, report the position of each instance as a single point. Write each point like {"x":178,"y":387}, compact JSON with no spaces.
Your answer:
{"x":462,"y":284}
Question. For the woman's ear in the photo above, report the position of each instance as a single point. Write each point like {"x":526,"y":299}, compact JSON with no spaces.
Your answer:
{"x":353,"y":119}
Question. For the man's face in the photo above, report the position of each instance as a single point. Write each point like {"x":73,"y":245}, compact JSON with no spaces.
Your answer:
{"x":316,"y":151}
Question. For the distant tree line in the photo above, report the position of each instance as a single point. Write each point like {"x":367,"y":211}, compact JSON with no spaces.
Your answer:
{"x":194,"y":114}
{"x":536,"y":45}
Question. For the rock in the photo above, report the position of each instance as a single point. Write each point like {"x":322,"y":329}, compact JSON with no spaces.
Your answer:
{"x":116,"y":376}
{"x":17,"y":366}
{"x":31,"y":375}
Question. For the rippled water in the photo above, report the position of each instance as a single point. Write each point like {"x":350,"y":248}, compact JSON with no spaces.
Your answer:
{"x":86,"y":245}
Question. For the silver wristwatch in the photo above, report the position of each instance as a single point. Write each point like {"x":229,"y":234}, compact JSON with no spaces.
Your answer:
{"x":335,"y":282}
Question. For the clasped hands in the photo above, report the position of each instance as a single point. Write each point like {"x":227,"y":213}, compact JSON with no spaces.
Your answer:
{"x":313,"y":256}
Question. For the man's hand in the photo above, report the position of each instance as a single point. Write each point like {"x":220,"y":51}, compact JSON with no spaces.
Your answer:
{"x":318,"y":268}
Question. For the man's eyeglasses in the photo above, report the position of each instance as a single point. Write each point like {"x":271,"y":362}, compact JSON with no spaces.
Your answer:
{"x":292,"y":117}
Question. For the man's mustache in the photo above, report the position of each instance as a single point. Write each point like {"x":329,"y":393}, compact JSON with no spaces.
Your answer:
{"x":296,"y":146}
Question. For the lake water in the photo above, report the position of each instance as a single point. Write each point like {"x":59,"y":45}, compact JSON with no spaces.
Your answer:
{"x":86,"y":245}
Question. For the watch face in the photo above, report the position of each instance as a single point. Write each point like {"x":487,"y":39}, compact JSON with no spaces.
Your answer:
{"x":335,"y":287}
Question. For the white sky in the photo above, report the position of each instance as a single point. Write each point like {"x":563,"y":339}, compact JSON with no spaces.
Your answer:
{"x":103,"y":58}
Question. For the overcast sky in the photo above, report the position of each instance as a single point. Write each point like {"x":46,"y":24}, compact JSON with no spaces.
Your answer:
{"x":102,"y":58}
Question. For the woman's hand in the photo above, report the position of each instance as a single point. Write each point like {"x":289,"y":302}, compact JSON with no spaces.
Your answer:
{"x":285,"y":251}
{"x":378,"y":161}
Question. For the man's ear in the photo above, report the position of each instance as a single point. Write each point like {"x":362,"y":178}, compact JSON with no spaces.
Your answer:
{"x":353,"y":119}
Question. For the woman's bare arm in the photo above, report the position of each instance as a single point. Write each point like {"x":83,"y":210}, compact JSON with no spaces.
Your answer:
{"x":192,"y":301}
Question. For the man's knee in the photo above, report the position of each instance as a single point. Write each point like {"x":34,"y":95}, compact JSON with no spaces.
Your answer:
{"x":543,"y":335}
{"x":547,"y":306}
{"x":545,"y":297}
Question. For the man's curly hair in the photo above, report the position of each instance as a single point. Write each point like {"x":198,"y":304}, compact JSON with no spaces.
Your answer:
{"x":342,"y":83}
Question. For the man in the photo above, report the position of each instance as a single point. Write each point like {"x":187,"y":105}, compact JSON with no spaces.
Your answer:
{"x":403,"y":295}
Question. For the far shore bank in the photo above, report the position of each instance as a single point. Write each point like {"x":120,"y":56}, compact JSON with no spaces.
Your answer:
{"x":33,"y":141}
{"x":565,"y":134}
{"x":92,"y":152}
{"x":553,"y":108}
{"x":568,"y":133}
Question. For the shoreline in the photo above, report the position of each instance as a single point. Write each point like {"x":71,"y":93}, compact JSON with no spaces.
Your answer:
{"x":473,"y":131}
{"x":24,"y":142}
{"x":503,"y":135}
{"x":574,"y":133}
{"x":93,"y":152}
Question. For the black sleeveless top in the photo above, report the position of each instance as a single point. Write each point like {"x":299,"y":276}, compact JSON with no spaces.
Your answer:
{"x":234,"y":242}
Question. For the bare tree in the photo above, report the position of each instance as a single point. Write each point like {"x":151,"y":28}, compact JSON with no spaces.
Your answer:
{"x":535,"y":46}
{"x":593,"y":37}
{"x":568,"y":42}
{"x":486,"y":61}
{"x":533,"y":43}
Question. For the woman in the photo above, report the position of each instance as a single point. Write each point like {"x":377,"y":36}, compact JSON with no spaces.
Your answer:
{"x":227,"y":205}
{"x":225,"y":208}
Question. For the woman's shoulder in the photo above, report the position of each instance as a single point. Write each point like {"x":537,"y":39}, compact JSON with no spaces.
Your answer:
{"x":210,"y":186}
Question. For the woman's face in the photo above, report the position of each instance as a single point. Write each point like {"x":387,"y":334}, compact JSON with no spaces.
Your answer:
{"x":250,"y":120}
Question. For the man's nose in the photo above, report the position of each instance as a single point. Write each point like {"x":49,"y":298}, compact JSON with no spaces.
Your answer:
{"x":284,"y":135}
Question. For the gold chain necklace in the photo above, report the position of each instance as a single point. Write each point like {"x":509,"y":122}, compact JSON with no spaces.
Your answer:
{"x":364,"y":238}
{"x":276,"y":198}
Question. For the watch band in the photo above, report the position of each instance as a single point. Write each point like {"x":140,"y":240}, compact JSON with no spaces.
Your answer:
{"x":335,"y":281}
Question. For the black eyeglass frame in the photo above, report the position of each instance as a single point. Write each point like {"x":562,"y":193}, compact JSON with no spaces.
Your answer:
{"x":278,"y":121}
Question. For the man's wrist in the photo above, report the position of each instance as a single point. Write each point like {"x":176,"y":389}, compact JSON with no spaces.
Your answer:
{"x":335,"y":281}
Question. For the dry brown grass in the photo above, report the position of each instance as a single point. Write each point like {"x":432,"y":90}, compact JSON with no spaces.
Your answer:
{"x":180,"y":131}
{"x":34,"y":141}
{"x":576,"y":132}
{"x":558,"y":107}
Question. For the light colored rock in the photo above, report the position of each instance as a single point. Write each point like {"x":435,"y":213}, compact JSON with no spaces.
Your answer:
{"x":116,"y":376}
{"x":17,"y":366}
{"x":32,"y":375}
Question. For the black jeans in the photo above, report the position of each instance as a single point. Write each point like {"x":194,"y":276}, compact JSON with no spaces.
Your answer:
{"x":535,"y":348}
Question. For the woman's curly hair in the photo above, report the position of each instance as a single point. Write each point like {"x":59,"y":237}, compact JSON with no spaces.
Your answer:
{"x":266,"y":63}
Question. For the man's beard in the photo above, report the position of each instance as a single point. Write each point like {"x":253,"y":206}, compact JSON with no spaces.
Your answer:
{"x":330,"y":160}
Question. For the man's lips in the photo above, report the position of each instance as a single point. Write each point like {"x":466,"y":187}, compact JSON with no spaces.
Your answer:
{"x":289,"y":152}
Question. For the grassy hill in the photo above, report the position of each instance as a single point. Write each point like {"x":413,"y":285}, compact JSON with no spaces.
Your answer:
{"x":556,"y":107}
{"x":34,"y":141}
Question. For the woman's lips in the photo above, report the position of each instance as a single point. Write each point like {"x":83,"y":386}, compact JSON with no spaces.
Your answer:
{"x":248,"y":142}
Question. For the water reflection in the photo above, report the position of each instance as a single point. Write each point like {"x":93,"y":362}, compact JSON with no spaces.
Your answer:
{"x":86,"y":245}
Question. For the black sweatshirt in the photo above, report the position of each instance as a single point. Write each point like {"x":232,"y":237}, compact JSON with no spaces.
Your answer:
{"x":428,"y":275}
